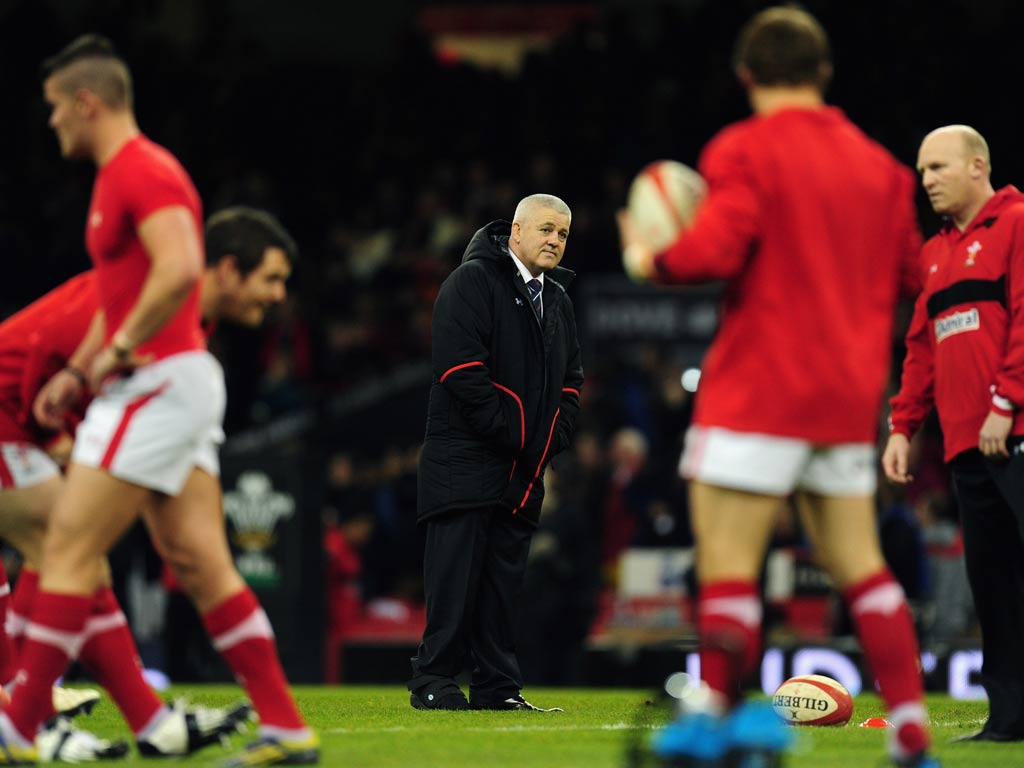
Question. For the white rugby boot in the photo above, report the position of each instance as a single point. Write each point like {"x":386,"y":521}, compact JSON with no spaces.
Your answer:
{"x":187,"y":728}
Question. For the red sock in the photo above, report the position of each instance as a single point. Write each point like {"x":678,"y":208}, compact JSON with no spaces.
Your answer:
{"x":729,"y":622}
{"x":886,"y":631}
{"x":52,"y":639}
{"x":110,"y":654}
{"x":241,"y":633}
{"x":25,"y":591}
{"x":8,"y":653}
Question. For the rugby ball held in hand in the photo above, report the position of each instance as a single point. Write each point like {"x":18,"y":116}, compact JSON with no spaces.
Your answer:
{"x":813,"y":700}
{"x":662,"y":201}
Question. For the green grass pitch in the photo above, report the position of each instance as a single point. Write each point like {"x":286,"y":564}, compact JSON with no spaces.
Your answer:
{"x":374,"y":727}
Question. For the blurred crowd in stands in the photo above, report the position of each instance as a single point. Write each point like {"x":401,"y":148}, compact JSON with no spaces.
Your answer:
{"x":382,"y":172}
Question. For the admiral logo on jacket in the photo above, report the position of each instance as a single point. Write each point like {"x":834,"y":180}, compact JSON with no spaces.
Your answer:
{"x":958,"y":322}
{"x":962,"y":324}
{"x":506,"y":387}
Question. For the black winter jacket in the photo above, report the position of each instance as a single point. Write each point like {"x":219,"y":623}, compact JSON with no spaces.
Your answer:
{"x":506,"y":387}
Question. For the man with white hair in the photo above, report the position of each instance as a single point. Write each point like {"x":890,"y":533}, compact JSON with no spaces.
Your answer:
{"x":965,"y":357}
{"x":506,"y":391}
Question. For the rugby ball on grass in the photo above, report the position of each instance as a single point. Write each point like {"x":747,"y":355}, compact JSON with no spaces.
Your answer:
{"x":662,"y":200}
{"x":813,"y":700}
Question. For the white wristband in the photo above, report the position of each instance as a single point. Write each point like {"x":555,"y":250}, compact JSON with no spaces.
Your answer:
{"x":1001,"y":403}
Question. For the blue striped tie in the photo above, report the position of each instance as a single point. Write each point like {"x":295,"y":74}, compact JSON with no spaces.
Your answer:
{"x":535,"y":288}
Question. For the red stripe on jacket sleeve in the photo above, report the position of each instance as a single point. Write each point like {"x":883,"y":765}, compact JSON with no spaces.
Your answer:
{"x":455,"y":368}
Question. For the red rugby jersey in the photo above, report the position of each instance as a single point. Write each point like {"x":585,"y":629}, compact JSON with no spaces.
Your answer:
{"x":139,"y":180}
{"x":812,"y":224}
{"x":967,"y":333}
{"x":35,"y":343}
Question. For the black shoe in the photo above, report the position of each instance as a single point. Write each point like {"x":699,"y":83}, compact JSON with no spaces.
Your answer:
{"x":449,"y":701}
{"x":986,"y":735}
{"x":516,"y":702}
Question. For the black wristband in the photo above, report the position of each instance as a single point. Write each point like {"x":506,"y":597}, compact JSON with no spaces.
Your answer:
{"x":78,"y":374}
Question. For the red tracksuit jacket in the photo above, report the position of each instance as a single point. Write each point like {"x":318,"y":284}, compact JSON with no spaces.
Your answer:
{"x":965,"y":353}
{"x":35,"y":343}
{"x":813,"y":226}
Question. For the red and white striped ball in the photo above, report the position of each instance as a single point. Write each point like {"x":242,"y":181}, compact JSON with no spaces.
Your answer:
{"x":813,"y":700}
{"x":662,"y":201}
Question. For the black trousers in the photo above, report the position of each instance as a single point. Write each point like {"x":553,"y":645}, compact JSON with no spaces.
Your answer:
{"x":991,"y":499}
{"x":473,"y":567}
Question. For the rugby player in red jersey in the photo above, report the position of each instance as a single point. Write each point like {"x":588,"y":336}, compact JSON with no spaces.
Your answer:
{"x":149,"y":437}
{"x":32,"y":343}
{"x":250,"y":256}
{"x":812,"y":226}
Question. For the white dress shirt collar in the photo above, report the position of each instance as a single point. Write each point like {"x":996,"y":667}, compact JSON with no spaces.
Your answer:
{"x":523,"y":271}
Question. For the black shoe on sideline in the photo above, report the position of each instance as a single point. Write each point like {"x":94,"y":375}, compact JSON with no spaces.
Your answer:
{"x":449,"y":701}
{"x":512,"y":703}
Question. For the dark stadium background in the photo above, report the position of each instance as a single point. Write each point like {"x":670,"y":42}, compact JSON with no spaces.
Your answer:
{"x":382,"y":151}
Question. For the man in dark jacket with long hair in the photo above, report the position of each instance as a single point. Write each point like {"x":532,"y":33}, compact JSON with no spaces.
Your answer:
{"x":506,"y":391}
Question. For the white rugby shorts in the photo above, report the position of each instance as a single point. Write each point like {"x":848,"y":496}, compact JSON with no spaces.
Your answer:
{"x":152,"y":427}
{"x":23,"y":465}
{"x":777,"y":466}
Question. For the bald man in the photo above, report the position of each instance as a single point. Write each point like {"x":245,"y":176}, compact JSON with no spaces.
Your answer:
{"x":965,"y":357}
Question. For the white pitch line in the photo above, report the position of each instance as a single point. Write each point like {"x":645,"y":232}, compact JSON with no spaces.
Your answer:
{"x":553,"y":728}
{"x":499,"y":729}
{"x":957,"y":723}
